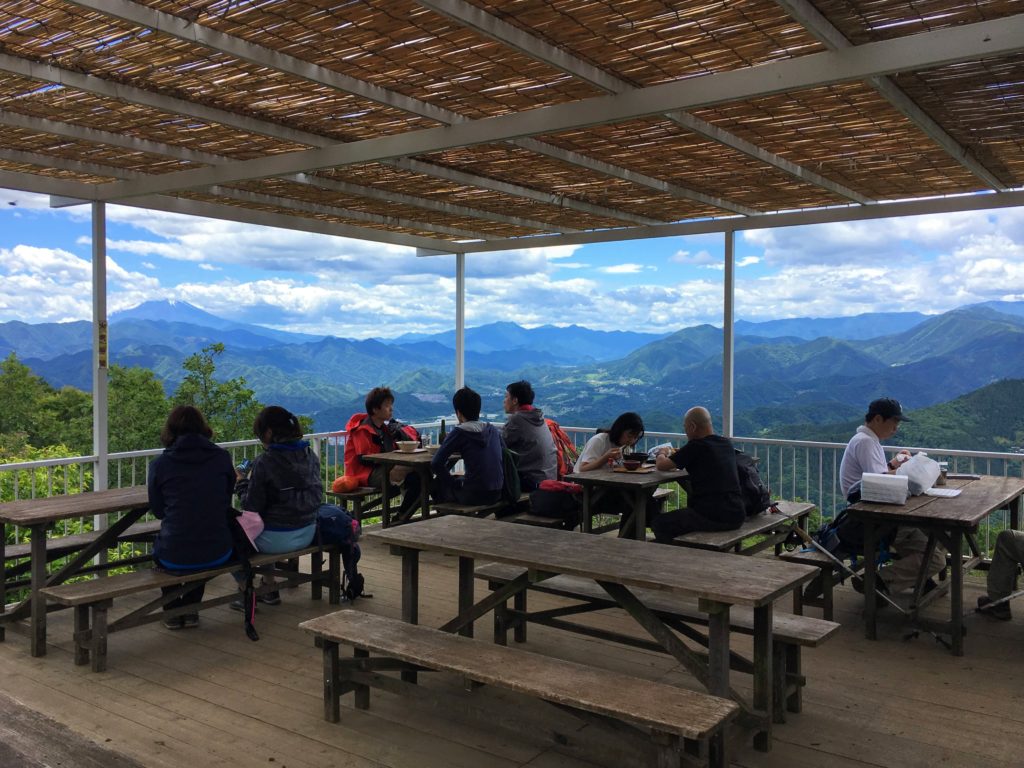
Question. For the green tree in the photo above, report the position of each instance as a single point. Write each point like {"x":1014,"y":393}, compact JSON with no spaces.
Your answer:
{"x":20,"y":394}
{"x":65,"y":417}
{"x":138,"y":408}
{"x":26,"y":483}
{"x":230,"y":406}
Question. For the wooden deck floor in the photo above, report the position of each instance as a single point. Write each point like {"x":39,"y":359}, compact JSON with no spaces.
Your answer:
{"x":209,"y":697}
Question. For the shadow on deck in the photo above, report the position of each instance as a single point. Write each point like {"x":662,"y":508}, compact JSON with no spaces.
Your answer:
{"x":210,"y":697}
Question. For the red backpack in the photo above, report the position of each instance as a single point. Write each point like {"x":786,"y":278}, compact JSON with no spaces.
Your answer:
{"x":564,"y":448}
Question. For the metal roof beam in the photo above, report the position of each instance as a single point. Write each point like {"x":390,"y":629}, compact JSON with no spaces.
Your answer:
{"x":831,"y":37}
{"x":110,"y":171}
{"x":266,"y":57}
{"x":973,"y":202}
{"x":133,"y":144}
{"x":490,"y":26}
{"x":920,"y":51}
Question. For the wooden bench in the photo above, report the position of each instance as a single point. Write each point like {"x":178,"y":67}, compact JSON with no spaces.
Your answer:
{"x":92,"y":599}
{"x":830,"y":576}
{"x":774,"y":527}
{"x":790,"y":633}
{"x":61,"y":546}
{"x":480,"y":510}
{"x":673,"y":718}
{"x":357,"y":503}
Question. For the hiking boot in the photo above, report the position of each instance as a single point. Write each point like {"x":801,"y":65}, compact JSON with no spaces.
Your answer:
{"x":237,"y":605}
{"x":880,"y":589}
{"x":814,"y":589}
{"x":1000,"y":612}
{"x":270,"y":598}
{"x":174,"y":623}
{"x":190,"y":621}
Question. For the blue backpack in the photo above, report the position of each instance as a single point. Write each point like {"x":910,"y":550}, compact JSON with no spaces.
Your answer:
{"x":336,"y":527}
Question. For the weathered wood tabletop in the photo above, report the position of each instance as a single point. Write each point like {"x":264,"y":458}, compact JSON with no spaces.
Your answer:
{"x":419,"y":462}
{"x":946,"y":521}
{"x":718,"y":580}
{"x":37,"y":515}
{"x":639,"y":485}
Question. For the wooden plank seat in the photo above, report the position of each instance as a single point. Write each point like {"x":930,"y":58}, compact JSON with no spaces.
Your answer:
{"x":92,"y":599}
{"x":790,"y":633}
{"x":673,"y":718}
{"x":61,"y":546}
{"x":830,"y":576}
{"x":498,"y":509}
{"x":357,"y":502}
{"x":773,"y":527}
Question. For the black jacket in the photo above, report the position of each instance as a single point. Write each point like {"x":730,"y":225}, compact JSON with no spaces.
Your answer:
{"x":190,"y":486}
{"x":284,"y":486}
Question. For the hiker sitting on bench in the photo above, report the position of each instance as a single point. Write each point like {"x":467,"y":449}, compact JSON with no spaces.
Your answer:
{"x":714,"y":501}
{"x":190,"y":486}
{"x":479,"y":444}
{"x":1002,"y":575}
{"x":526,"y":433}
{"x":864,"y":454}
{"x":283,"y":487}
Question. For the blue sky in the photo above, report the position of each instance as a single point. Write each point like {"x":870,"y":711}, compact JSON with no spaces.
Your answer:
{"x":318,"y":284}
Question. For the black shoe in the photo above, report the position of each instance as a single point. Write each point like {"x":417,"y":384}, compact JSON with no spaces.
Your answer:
{"x":880,"y":589}
{"x":1000,"y":612}
{"x":270,"y":598}
{"x":814,"y":588}
{"x":929,"y":586}
{"x":174,"y":623}
{"x":236,"y":605}
{"x":190,"y":621}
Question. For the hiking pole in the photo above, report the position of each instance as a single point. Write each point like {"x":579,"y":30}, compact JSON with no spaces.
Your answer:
{"x":807,"y":539}
{"x":1000,"y":601}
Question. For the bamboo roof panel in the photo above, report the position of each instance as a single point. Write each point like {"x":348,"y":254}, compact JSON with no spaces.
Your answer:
{"x":53,"y":173}
{"x":311,"y":215}
{"x":116,"y":51}
{"x":90,"y":152}
{"x":561,"y":180}
{"x":69,"y":105}
{"x":650,"y":41}
{"x":667,"y":151}
{"x":398,"y":45}
{"x":850,"y":134}
{"x":387,"y":177}
{"x":317,"y":196}
{"x":864,"y":21}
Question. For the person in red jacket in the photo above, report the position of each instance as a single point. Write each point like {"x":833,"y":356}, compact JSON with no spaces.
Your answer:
{"x":376,"y":431}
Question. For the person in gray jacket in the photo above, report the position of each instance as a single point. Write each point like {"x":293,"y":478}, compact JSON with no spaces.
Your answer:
{"x":526,"y":433}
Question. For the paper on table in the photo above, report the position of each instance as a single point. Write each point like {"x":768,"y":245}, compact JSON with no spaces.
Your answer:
{"x":945,"y":493}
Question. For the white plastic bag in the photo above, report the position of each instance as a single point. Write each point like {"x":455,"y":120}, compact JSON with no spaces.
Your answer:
{"x":921,"y":473}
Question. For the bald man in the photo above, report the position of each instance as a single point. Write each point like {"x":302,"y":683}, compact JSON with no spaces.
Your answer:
{"x":714,"y":501}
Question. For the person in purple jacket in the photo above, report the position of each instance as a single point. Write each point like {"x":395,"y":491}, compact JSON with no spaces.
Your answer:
{"x":479,"y":445}
{"x":190,"y":486}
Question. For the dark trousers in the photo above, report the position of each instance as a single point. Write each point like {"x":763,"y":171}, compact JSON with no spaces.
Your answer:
{"x":191,"y":597}
{"x":679,"y":521}
{"x":449,"y":488}
{"x":410,"y":488}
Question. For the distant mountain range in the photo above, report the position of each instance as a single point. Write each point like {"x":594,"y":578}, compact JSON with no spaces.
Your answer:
{"x":798,"y":371}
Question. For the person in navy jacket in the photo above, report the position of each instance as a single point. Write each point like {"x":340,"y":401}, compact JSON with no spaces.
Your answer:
{"x":479,"y":444}
{"x":190,"y":486}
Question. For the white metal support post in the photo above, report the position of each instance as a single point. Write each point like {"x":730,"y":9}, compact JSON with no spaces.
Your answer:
{"x":728,"y":305}
{"x":460,"y":320}
{"x":100,"y":446}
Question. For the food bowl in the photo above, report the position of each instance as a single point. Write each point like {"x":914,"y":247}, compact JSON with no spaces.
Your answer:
{"x":632,"y":465}
{"x":407,"y":446}
{"x":641,"y":457}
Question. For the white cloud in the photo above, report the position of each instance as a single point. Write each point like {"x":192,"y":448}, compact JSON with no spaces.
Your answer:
{"x":748,"y":261}
{"x":148,"y":265}
{"x":701,"y":258}
{"x":625,"y":269}
{"x":210,"y":268}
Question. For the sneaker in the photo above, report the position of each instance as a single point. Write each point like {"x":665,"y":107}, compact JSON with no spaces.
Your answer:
{"x":270,"y":598}
{"x":174,"y":623}
{"x":1000,"y":612}
{"x":236,"y":605}
{"x":190,"y":621}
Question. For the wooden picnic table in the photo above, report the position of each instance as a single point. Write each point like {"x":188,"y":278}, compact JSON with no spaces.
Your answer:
{"x":717,"y":580}
{"x":639,"y":485}
{"x":419,"y":462}
{"x":947,"y":521}
{"x":37,"y":515}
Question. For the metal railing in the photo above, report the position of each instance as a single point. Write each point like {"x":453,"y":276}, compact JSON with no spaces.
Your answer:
{"x":792,"y":469}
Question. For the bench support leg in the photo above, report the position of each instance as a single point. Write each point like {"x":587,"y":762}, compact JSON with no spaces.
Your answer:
{"x":81,"y":634}
{"x":668,"y":749}
{"x":316,"y":575}
{"x":332,"y":696}
{"x":410,"y":596}
{"x":795,"y":700}
{"x":99,"y":635}
{"x":519,"y":603}
{"x":362,"y":691}
{"x":828,"y":584}
{"x":466,"y":592}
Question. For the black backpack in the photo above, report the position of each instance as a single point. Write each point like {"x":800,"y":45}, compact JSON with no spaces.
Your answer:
{"x":756,"y":498}
{"x":335,"y":526}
